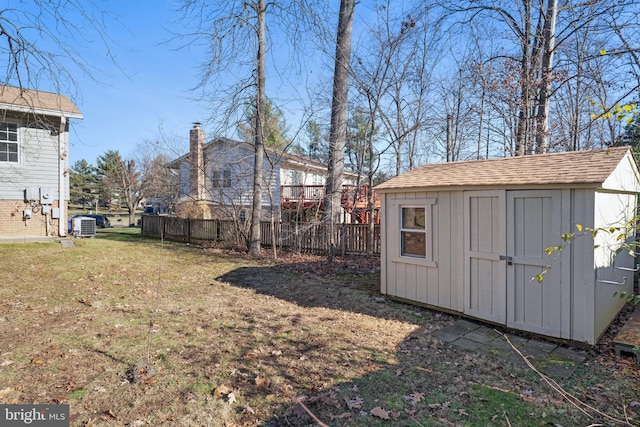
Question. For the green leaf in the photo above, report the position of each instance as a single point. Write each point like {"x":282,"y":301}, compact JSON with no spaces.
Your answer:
{"x":579,"y":227}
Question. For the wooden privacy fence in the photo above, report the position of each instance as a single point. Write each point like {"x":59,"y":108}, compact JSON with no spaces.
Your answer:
{"x":300,"y":237}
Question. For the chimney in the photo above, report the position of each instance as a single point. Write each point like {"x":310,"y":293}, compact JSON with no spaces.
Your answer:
{"x":196,"y":162}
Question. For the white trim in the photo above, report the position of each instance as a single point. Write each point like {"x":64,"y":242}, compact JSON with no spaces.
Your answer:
{"x":427,"y":204}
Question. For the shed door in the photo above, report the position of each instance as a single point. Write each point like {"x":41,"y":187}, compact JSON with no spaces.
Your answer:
{"x":533,"y":224}
{"x":485,"y":273}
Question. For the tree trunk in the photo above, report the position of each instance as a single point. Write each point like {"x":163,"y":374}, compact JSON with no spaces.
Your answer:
{"x":338,"y":132}
{"x":542,"y":118}
{"x":256,"y":211}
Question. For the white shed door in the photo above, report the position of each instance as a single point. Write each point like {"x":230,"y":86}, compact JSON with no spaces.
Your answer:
{"x":485,"y":273}
{"x":533,"y":224}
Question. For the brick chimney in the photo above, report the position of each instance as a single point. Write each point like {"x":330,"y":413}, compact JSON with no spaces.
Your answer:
{"x":196,"y":162}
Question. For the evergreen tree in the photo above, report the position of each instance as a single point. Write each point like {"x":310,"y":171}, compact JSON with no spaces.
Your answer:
{"x":83,"y":183}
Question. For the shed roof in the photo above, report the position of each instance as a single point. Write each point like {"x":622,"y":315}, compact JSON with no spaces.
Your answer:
{"x":568,"y":168}
{"x":32,"y":101}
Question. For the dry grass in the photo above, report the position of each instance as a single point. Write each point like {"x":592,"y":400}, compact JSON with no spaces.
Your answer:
{"x":234,"y":342}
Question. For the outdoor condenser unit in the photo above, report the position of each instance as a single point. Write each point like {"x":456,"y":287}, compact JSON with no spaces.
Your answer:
{"x":84,"y":227}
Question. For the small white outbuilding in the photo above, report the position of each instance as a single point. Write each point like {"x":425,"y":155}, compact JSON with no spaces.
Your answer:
{"x":470,"y":238}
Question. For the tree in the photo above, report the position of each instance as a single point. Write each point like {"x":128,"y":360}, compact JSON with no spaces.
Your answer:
{"x":230,"y":30}
{"x":83,"y":183}
{"x":40,"y":43}
{"x":107,"y":168}
{"x":275,"y":126}
{"x":338,"y":132}
{"x":122,"y":181}
{"x":161,"y":184}
{"x":316,"y":144}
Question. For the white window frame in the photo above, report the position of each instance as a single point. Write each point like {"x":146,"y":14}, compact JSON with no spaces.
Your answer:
{"x":17,"y":142}
{"x":427,"y":204}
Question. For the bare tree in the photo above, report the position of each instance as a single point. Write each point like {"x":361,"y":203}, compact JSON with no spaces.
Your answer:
{"x":41,"y":41}
{"x":236,"y":35}
{"x":338,"y":132}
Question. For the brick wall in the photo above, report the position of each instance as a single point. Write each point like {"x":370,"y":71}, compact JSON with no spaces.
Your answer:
{"x":12,"y":223}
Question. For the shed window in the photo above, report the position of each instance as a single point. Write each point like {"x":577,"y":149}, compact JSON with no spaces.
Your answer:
{"x":413,"y":232}
{"x":8,"y":142}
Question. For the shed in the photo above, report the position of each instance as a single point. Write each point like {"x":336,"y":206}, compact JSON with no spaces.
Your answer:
{"x":470,"y":237}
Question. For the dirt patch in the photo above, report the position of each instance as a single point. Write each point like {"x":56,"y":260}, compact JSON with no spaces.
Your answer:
{"x":131,"y":332}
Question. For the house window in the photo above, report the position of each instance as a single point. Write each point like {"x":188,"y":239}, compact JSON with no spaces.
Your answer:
{"x":221,"y":178}
{"x":413,"y":232}
{"x":8,"y":142}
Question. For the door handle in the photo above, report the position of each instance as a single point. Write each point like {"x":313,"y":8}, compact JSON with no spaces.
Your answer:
{"x":507,"y":258}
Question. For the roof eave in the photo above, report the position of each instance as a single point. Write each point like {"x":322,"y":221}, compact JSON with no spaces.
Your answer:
{"x":40,"y":111}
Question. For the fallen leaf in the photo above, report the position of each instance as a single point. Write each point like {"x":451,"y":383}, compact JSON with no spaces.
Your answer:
{"x":380,"y":413}
{"x":463,"y":413}
{"x":5,"y":392}
{"x":6,"y":363}
{"x":221,"y":391}
{"x":414,"y":398}
{"x":37,"y":361}
{"x":262,"y":382}
{"x":354,"y":403}
{"x":231,"y":398}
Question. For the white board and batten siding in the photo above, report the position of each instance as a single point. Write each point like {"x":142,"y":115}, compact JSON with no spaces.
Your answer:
{"x":487,"y":242}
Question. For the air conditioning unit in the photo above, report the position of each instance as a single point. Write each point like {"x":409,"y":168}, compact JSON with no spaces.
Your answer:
{"x":84,"y":227}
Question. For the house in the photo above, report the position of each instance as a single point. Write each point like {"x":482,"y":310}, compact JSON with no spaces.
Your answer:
{"x":216,"y":181}
{"x":34,"y":161}
{"x":471,"y":237}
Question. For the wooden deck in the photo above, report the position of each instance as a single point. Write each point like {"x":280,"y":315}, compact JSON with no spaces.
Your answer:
{"x":627,"y":342}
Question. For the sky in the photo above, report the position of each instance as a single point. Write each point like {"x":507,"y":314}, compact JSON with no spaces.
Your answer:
{"x":144,"y":89}
{"x":141,"y":88}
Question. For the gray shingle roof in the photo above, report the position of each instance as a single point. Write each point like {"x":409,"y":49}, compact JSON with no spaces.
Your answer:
{"x":574,"y":167}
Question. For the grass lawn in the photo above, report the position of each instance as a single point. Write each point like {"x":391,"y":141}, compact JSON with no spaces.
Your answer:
{"x":130,"y":331}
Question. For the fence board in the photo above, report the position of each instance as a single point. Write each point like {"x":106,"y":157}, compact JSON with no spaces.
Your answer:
{"x":299,"y":237}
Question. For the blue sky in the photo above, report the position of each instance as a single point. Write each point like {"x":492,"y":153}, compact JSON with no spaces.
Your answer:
{"x":145,"y":89}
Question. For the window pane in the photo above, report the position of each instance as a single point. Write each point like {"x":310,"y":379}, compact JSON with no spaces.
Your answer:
{"x":413,"y":218}
{"x":414,"y":244}
{"x":227,"y":178}
{"x":13,"y":157}
{"x":3,"y":156}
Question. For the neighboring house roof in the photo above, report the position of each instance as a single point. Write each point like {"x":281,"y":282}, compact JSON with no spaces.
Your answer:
{"x":573,"y":167}
{"x":32,"y":101}
{"x":287,"y":160}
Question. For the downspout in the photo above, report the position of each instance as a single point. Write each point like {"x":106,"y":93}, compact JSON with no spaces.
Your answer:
{"x":62,"y":155}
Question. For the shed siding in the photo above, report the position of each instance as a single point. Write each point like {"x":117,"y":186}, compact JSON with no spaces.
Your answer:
{"x":612,"y":210}
{"x":440,"y":284}
{"x":625,"y":176}
{"x":583,"y":304}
